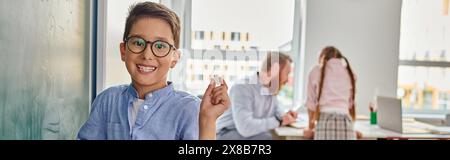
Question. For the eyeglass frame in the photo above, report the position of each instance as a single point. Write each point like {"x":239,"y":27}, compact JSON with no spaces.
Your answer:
{"x":151,"y":46}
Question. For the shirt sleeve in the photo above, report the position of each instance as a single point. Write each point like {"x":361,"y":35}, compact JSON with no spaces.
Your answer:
{"x":95,"y":127}
{"x":242,"y":110}
{"x":311,"y":100}
{"x":279,"y":112}
{"x":190,"y":121}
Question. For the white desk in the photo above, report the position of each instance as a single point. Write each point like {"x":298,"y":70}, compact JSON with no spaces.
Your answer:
{"x":370,"y":132}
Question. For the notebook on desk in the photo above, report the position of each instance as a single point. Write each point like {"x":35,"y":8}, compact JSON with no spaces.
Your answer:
{"x":298,"y":125}
{"x":390,"y":117}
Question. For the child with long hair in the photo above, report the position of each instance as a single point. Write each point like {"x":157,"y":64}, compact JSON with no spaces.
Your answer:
{"x":331,"y":97}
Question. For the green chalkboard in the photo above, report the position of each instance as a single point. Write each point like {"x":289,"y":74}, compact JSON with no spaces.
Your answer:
{"x":44,"y":68}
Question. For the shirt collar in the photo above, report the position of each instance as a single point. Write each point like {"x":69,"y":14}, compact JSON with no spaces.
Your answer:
{"x":162,"y":92}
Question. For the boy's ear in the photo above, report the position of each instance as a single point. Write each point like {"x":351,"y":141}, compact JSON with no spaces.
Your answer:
{"x":176,"y":56}
{"x":122,"y":51}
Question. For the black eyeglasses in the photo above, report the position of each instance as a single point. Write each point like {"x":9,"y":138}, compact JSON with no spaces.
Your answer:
{"x":138,"y":45}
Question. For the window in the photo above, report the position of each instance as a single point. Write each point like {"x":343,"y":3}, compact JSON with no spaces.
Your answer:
{"x":424,"y":71}
{"x":230,"y":39}
{"x":239,"y":23}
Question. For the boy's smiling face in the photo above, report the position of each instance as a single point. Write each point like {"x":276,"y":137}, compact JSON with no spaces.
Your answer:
{"x":147,"y":70}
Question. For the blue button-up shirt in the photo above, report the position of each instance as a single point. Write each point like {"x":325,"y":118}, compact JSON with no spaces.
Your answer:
{"x":166,"y":114}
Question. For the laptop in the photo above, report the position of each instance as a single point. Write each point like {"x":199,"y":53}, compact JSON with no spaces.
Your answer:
{"x":389,"y":116}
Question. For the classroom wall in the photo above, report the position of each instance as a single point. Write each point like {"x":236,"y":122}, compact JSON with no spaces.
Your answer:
{"x":44,"y":68}
{"x":367,"y":32}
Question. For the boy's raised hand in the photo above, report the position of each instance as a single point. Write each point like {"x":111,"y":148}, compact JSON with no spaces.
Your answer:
{"x":214,"y":102}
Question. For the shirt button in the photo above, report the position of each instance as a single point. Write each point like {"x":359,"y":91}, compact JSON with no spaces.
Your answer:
{"x":145,"y":107}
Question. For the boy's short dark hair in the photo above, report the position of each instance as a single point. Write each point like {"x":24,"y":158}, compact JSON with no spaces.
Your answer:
{"x":153,"y":10}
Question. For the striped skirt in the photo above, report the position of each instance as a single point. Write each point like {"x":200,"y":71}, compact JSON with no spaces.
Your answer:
{"x":334,"y":126}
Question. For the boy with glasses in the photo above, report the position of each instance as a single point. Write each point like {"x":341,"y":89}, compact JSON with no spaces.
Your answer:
{"x":150,"y":108}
